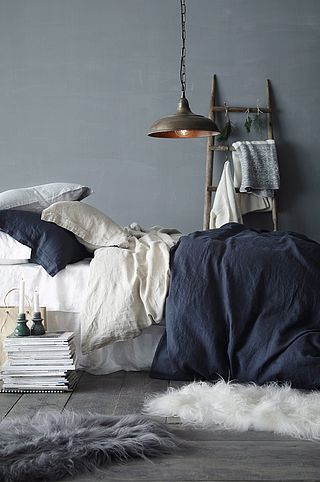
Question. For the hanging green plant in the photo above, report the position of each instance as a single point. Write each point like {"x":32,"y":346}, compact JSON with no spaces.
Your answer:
{"x":258,"y":123}
{"x":258,"y":120}
{"x":226,"y":132}
{"x":227,"y":128}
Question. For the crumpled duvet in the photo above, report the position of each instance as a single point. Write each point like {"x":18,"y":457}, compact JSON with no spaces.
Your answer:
{"x":244,"y":305}
{"x":127,"y":287}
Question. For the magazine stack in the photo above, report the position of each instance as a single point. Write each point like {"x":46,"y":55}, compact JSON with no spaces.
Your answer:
{"x":43,"y":363}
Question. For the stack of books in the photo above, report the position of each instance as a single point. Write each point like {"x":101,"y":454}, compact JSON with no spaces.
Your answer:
{"x":42,"y":363}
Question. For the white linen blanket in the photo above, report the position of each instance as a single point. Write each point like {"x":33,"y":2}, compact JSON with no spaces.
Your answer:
{"x":127,"y":288}
{"x":225,"y":207}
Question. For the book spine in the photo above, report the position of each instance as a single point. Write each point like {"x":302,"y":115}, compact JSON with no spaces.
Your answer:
{"x":16,"y":390}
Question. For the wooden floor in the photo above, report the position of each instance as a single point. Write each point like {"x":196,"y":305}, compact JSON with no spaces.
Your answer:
{"x":210,"y":455}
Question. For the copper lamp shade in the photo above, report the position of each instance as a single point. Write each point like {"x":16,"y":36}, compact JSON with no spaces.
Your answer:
{"x":183,"y":124}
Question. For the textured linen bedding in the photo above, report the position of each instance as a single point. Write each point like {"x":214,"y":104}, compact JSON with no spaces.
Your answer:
{"x":127,"y":288}
{"x":243,"y":305}
{"x":48,"y":225}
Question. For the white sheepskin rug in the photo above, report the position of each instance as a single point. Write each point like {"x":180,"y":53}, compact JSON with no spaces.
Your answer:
{"x":232,"y":406}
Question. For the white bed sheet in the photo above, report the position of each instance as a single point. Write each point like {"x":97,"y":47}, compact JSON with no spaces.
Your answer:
{"x":131,"y":355}
{"x":63,"y":292}
{"x":62,"y":296}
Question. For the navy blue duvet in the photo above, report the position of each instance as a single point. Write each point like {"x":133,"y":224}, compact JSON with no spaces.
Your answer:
{"x":243,"y":305}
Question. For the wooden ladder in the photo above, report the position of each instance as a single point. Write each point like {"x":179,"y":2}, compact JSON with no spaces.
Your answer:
{"x":212,"y":147}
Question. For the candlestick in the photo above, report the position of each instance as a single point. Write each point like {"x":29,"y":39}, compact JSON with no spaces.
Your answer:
{"x":36,"y":306}
{"x":22,"y":328}
{"x":37,"y":327}
{"x":21,"y":296}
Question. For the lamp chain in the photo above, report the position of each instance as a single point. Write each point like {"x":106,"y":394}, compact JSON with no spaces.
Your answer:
{"x":183,"y":10}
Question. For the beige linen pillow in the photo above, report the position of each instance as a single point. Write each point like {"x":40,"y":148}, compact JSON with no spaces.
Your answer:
{"x":91,"y":227}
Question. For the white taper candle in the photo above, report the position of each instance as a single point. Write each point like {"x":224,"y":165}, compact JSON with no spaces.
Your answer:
{"x":36,"y":307}
{"x":21,"y":296}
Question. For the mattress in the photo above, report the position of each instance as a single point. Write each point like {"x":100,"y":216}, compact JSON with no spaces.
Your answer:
{"x":63,"y":295}
{"x":63,"y":292}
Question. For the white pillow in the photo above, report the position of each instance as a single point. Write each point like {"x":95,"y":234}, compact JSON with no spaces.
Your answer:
{"x":37,"y":198}
{"x":11,"y":250}
{"x":92,"y":228}
{"x":13,"y":261}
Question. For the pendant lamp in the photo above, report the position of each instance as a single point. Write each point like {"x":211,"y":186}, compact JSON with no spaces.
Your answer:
{"x":184,"y":123}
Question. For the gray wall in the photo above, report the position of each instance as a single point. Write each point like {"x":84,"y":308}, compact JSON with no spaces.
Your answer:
{"x":82,"y":80}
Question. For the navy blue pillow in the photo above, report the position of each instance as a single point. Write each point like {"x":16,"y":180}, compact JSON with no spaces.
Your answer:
{"x":52,"y":247}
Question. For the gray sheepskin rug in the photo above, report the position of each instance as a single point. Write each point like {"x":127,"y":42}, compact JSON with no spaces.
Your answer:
{"x":53,"y":445}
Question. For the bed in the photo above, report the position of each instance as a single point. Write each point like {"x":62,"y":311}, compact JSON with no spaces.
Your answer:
{"x":63,"y":295}
{"x":49,"y":236}
{"x":242,"y":304}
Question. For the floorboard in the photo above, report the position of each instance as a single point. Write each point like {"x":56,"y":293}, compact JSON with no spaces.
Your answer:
{"x":97,"y":393}
{"x":225,"y":461}
{"x":209,"y":455}
{"x":137,"y":386}
{"x":7,"y":402}
{"x":30,"y":403}
{"x":215,"y":434}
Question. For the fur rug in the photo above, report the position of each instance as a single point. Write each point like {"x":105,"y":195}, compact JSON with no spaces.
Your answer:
{"x":53,"y":445}
{"x":232,"y":406}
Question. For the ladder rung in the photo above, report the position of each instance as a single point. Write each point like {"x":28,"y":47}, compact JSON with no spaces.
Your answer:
{"x":222,"y":108}
{"x":214,"y":188}
{"x":221,"y":148}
